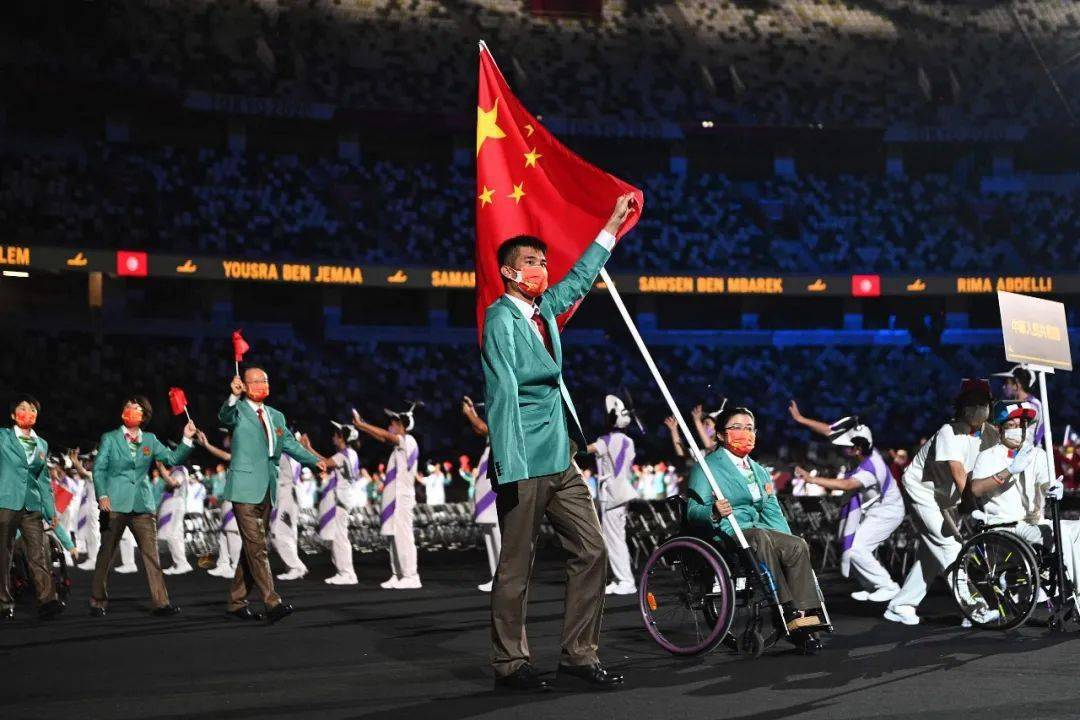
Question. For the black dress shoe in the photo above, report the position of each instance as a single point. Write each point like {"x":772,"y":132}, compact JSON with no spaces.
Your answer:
{"x":808,"y":643}
{"x":50,"y":610}
{"x":165,"y":611}
{"x":278,"y":612}
{"x":592,"y":676}
{"x":524,"y":679}
{"x":244,"y":613}
{"x":7,"y":614}
{"x":97,"y":612}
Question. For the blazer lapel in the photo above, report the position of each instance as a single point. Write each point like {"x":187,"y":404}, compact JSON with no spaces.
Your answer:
{"x":553,"y":333}
{"x":19,"y":448}
{"x":528,"y":334}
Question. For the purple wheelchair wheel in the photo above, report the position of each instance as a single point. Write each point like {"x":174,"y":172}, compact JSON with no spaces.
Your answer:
{"x":687,"y":596}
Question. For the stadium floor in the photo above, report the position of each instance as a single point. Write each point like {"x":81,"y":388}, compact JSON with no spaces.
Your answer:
{"x":361,"y":652}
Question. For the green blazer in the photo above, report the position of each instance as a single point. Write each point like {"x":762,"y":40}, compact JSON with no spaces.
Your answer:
{"x":126,"y":481}
{"x":527,"y":401}
{"x":252,"y":471}
{"x":24,"y":485}
{"x":763,"y":513}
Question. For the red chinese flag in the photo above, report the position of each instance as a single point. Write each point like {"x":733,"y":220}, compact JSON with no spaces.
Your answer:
{"x":239,"y":345}
{"x":131,"y":264}
{"x":61,"y":496}
{"x":528,"y":183}
{"x":866,"y":285}
{"x":177,"y":400}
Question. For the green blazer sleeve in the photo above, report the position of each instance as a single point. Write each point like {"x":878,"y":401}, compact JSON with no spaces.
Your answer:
{"x":508,"y":456}
{"x":64,"y":537}
{"x":699,"y":504}
{"x":298,"y":452}
{"x":228,"y":414}
{"x":561,"y":296}
{"x":101,"y":468}
{"x":163,"y":454}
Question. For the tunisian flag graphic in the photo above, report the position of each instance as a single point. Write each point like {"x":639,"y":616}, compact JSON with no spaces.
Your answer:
{"x":528,"y":183}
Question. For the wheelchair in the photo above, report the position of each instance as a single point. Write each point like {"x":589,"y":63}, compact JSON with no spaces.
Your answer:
{"x":694,"y":596}
{"x":57,"y":560}
{"x":1001,"y":577}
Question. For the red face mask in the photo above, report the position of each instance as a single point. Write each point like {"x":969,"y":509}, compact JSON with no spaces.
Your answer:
{"x":132,"y":418}
{"x":740,"y":442}
{"x":532,"y":280}
{"x":25,"y":419}
{"x":258,"y":393}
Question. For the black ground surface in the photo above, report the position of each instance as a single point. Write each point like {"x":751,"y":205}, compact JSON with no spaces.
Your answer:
{"x":362,"y":652}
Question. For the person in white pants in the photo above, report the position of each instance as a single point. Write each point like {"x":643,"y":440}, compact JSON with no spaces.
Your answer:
{"x":229,"y":543}
{"x":1010,"y":483}
{"x":171,"y":519}
{"x":398,"y":496}
{"x":87,"y":527}
{"x":874,"y":511}
{"x":615,"y":454}
{"x":484,"y":513}
{"x":285,"y":519}
{"x":934,"y":482}
{"x":334,"y":502}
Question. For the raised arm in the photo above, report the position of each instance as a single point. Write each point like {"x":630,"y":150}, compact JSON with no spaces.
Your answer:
{"x":479,"y":426}
{"x":708,"y":443}
{"x":291,"y":447}
{"x":229,"y":412}
{"x":179,"y":454}
{"x":380,"y":434}
{"x":676,"y":439}
{"x":843,"y":484}
{"x":821,"y":428}
{"x":217,"y":452}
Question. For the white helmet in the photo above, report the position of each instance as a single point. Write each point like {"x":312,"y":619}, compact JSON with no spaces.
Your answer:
{"x":349,"y":432}
{"x":406,"y":417}
{"x":616,"y":411}
{"x":844,"y":431}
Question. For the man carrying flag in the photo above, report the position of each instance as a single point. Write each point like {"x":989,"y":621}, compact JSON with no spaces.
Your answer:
{"x":557,"y":204}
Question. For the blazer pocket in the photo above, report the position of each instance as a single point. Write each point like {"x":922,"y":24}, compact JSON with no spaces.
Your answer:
{"x":241,"y":468}
{"x":534,"y":416}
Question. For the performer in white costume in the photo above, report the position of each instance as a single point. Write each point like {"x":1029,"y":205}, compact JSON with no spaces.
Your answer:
{"x":285,"y":518}
{"x":171,"y":519}
{"x":484,"y":513}
{"x":229,"y":545}
{"x":335,"y":501}
{"x":87,"y":527}
{"x":615,"y":454}
{"x":398,"y":495}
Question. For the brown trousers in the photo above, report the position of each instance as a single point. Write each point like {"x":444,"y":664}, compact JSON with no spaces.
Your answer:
{"x":144,"y":528}
{"x":564,"y":498}
{"x":33,"y":532}
{"x":788,"y":559}
{"x":254,"y":567}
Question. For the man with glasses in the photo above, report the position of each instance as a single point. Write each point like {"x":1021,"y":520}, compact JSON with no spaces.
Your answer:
{"x":749,"y":496}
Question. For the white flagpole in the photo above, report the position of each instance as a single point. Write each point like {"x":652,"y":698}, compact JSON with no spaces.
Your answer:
{"x":699,"y":458}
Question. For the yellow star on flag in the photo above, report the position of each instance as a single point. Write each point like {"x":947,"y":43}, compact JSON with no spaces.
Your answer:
{"x":485,"y":197}
{"x":486,"y":126}
{"x":531,"y":158}
{"x":519,"y":192}
{"x":530,"y":129}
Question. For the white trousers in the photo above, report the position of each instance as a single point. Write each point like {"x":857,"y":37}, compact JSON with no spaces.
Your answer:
{"x":613,"y":528}
{"x":175,"y":542}
{"x":493,"y":542}
{"x":403,"y":554}
{"x":875,"y":527}
{"x":284,"y":540}
{"x":229,"y":547}
{"x":341,"y":549}
{"x":938,"y":546}
{"x":88,"y":537}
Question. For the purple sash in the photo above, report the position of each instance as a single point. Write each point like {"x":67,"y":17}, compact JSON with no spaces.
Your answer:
{"x":391,"y":476}
{"x":164,"y":520}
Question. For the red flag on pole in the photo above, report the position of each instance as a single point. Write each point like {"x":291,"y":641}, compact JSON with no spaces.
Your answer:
{"x":240,"y":346}
{"x":177,"y":400}
{"x":62,"y":496}
{"x":528,"y":183}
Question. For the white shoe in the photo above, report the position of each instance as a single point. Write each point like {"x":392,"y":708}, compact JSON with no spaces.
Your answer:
{"x":340,"y":579}
{"x":884,"y":594}
{"x":861,"y":595}
{"x":178,"y":570}
{"x":966,"y":624}
{"x":620,"y":589}
{"x":222,"y":571}
{"x":293,"y":574}
{"x":88,"y":564}
{"x":126,"y":569}
{"x":390,"y":584}
{"x":408,"y":583}
{"x":486,"y":587}
{"x":1041,"y":596}
{"x":985,"y":616}
{"x":902,"y":614}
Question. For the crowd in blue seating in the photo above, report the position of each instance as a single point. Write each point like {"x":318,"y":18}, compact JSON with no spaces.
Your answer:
{"x":286,"y":206}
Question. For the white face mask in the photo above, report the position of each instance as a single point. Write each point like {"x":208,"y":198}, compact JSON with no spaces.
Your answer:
{"x":1013,"y":435}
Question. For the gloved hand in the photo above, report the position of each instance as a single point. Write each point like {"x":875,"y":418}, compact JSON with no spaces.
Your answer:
{"x":1023,"y":458}
{"x":1055,"y":489}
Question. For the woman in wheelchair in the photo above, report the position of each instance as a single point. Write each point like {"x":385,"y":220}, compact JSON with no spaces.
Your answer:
{"x":1009,"y":483}
{"x":750,"y":498}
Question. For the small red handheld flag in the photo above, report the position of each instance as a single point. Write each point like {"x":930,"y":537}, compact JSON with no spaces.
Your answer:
{"x":240,"y":345}
{"x":178,"y":400}
{"x":62,"y":496}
